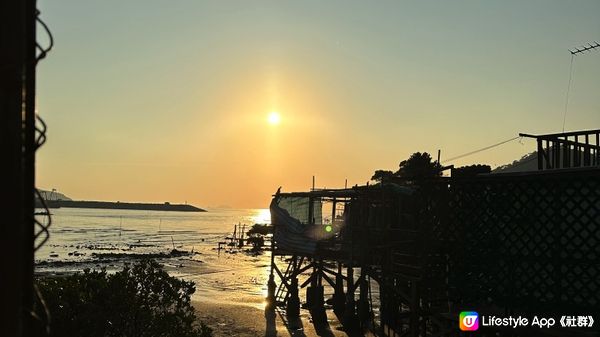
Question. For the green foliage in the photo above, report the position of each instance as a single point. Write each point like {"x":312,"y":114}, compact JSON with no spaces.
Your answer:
{"x":142,"y":300}
{"x":382,"y":175}
{"x":471,"y":170}
{"x":419,"y":165}
{"x":260,"y":229}
{"x":257,"y":242}
{"x":256,"y":236}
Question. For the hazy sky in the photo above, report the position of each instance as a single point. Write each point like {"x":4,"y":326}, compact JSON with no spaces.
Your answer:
{"x":168,"y":100}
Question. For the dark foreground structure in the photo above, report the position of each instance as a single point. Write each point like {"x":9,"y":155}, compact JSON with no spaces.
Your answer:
{"x":405,"y":258}
{"x":21,"y":134}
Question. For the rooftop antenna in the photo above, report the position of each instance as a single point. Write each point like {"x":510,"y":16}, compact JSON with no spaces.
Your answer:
{"x":574,"y":52}
{"x":583,"y":49}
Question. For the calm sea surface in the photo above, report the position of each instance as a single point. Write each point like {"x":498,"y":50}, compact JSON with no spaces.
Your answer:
{"x":96,"y":238}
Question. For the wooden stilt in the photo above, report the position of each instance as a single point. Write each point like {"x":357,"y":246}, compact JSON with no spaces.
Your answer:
{"x":293,"y":302}
{"x":339,"y":298}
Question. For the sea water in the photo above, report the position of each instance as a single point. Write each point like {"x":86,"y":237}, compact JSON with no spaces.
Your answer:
{"x":109,"y":239}
{"x":98,"y":238}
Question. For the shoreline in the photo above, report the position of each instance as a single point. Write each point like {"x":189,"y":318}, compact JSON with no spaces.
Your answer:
{"x":241,"y":320}
{"x":229,"y":319}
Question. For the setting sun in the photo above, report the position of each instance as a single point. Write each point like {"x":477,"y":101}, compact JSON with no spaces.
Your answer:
{"x":274,"y":118}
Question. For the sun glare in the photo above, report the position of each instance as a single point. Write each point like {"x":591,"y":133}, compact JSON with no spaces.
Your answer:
{"x":274,"y":118}
{"x":262,"y":216}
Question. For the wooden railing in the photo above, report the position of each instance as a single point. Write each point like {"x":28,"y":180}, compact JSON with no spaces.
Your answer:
{"x":567,"y":149}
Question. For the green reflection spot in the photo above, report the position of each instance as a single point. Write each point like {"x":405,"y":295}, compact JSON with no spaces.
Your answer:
{"x":328,"y":228}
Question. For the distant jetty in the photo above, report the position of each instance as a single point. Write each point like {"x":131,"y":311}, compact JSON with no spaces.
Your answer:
{"x":123,"y":205}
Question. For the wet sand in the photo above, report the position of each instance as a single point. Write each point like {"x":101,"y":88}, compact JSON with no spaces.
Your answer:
{"x":228,"y":319}
{"x":231,"y":320}
{"x":230,"y":284}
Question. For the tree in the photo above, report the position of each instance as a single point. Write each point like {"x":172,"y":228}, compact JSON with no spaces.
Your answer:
{"x":256,"y":236}
{"x":471,"y":170}
{"x":382,"y":175}
{"x":419,"y":165}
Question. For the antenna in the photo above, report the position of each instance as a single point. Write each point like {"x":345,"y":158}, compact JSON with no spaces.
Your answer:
{"x":574,"y":52}
{"x":583,"y":49}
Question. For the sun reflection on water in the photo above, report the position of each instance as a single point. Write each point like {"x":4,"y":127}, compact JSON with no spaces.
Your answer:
{"x":262,"y":216}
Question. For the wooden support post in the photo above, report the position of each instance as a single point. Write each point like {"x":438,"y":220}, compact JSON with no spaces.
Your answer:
{"x":553,"y":153}
{"x":547,"y":155}
{"x":315,"y":292}
{"x":576,"y":153}
{"x":556,"y":154}
{"x":350,"y":319}
{"x":586,"y":152}
{"x":540,"y":154}
{"x":271,"y":285}
{"x":566,"y":148}
{"x":293,"y":303}
{"x":241,"y":238}
{"x":339,"y":299}
{"x":597,"y":152}
{"x":333,"y":206}
{"x":364,"y":308}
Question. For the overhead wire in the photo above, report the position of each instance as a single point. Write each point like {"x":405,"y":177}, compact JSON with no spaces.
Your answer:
{"x":481,"y":149}
{"x":575,"y":52}
{"x":568,"y":92}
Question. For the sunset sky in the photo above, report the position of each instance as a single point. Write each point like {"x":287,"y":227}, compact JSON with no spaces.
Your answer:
{"x":170,"y":100}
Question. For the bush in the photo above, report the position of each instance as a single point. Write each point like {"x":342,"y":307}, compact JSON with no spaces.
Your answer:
{"x":470,"y":171}
{"x":142,"y":300}
{"x":257,"y":242}
{"x":258,"y":229}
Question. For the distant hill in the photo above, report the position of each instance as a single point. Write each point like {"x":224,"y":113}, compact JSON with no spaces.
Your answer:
{"x":53,"y":195}
{"x":124,"y":205}
{"x":58,"y":200}
{"x":527,"y":163}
